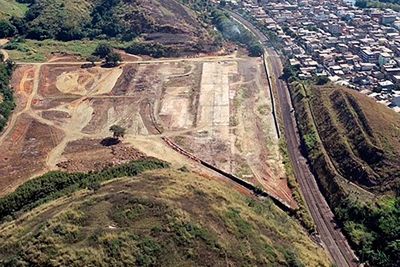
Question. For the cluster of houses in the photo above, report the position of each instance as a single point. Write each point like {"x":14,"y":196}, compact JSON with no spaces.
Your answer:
{"x":354,"y":47}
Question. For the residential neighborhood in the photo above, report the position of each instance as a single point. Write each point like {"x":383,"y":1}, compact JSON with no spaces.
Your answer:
{"x":354,"y":47}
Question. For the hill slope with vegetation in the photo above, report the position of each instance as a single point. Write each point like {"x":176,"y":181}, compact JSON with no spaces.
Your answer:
{"x":166,"y":22}
{"x":7,"y":102}
{"x":353,"y":146}
{"x":162,"y":217}
{"x":10,"y":8}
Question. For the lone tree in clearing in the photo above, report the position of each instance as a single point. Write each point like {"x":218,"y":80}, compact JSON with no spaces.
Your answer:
{"x":118,"y":131}
{"x":113,"y":59}
{"x":102,"y":50}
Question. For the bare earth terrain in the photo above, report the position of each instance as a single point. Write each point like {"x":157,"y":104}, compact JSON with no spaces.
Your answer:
{"x":218,"y":108}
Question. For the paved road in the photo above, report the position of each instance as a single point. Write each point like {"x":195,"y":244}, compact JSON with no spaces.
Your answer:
{"x":332,"y":238}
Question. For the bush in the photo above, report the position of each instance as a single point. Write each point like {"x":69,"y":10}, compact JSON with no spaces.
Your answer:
{"x":153,"y":50}
{"x":6,"y":29}
{"x":95,"y":186}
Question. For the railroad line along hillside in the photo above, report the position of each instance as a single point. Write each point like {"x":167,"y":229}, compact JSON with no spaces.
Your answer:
{"x":353,"y":146}
{"x":160,"y":217}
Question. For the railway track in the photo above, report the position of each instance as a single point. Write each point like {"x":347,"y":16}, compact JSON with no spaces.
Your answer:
{"x":331,"y":237}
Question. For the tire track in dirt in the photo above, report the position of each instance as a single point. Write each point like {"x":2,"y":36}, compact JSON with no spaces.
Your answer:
{"x":28,"y":104}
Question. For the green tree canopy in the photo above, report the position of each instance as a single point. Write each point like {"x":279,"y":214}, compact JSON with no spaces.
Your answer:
{"x":118,"y":131}
{"x":113,"y":59}
{"x":102,"y":50}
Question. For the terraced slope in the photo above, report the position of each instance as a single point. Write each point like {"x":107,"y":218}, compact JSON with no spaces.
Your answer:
{"x":361,"y":136}
{"x":162,"y":217}
{"x":352,"y":144}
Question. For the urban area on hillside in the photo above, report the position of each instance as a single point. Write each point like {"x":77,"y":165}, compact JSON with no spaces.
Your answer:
{"x":355,"y":47}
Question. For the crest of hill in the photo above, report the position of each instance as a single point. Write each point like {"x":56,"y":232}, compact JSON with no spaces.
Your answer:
{"x":161,"y":217}
{"x":167,"y":22}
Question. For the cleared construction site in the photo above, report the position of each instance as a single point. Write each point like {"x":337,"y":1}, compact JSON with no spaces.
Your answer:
{"x":218,"y":109}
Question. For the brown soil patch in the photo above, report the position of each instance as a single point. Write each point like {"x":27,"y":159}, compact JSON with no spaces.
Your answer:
{"x":24,"y":151}
{"x":90,"y":155}
{"x":216,"y":108}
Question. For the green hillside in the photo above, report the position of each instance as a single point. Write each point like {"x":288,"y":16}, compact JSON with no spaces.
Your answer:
{"x":12,"y":8}
{"x":161,"y":217}
{"x":165,"y":22}
{"x":353,"y":146}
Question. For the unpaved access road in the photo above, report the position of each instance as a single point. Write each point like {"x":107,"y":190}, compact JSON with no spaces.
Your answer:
{"x":331,"y":236}
{"x":4,"y":52}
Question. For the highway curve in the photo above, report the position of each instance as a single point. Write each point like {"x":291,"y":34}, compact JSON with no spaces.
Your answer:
{"x":331,"y":236}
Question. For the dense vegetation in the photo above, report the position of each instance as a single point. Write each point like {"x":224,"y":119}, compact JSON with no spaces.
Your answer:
{"x":7,"y":103}
{"x":345,"y":142}
{"x":72,"y":20}
{"x":237,"y":33}
{"x":151,"y":30}
{"x":159,"y":24}
{"x":158,"y":218}
{"x":55,"y":184}
{"x":392,"y":4}
{"x":153,"y":50}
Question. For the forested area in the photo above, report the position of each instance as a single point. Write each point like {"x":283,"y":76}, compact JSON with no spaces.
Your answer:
{"x":56,"y":184}
{"x":374,"y":230}
{"x":7,"y":103}
{"x":68,"y":20}
{"x":392,"y":4}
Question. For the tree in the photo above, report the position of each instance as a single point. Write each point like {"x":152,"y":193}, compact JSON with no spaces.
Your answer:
{"x":321,"y":80}
{"x":93,"y":59}
{"x":256,"y":50}
{"x":6,"y":29}
{"x":103,"y":50}
{"x":113,"y":59}
{"x":118,"y":131}
{"x":361,"y":3}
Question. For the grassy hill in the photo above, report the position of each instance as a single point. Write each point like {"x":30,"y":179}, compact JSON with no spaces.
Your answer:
{"x":352,"y":144}
{"x":12,"y":8}
{"x":162,"y":217}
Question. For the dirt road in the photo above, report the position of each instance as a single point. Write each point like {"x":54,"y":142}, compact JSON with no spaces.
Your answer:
{"x":3,"y":42}
{"x":332,"y":237}
{"x":194,"y":59}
